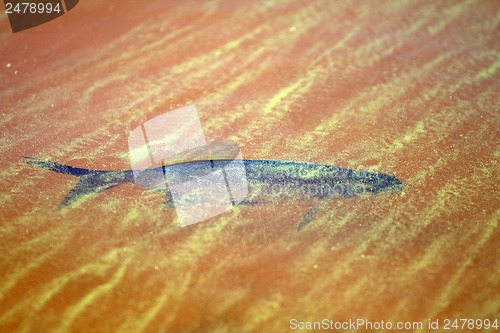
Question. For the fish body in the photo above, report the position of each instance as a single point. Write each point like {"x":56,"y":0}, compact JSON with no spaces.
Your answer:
{"x":268,"y":181}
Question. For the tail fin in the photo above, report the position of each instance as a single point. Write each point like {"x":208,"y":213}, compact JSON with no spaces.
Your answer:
{"x":57,"y":167}
{"x":91,"y":182}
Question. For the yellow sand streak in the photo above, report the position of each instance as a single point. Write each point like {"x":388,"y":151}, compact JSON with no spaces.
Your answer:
{"x":449,"y":15}
{"x":489,"y":72}
{"x":57,"y":284}
{"x":446,"y":296}
{"x":261,"y":311}
{"x":447,"y":198}
{"x":411,"y":135}
{"x":10,"y":281}
{"x":73,"y":312}
{"x":377,"y":101}
{"x":165,"y":295}
{"x":440,"y":123}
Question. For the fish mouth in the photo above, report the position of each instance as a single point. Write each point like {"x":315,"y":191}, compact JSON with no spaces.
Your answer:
{"x":396,"y":186}
{"x":386,"y":184}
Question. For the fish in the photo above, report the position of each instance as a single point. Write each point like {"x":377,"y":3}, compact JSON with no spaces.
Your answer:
{"x":268,"y":181}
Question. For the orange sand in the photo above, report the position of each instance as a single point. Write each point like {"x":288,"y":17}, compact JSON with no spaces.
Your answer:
{"x":406,"y":88}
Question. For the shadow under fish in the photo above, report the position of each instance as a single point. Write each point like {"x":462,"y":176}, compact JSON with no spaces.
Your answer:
{"x":268,"y":181}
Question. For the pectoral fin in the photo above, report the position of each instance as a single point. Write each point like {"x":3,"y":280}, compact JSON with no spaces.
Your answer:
{"x":311,"y":214}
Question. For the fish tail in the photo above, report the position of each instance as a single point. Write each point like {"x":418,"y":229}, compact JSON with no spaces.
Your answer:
{"x":91,"y":182}
{"x":57,"y":167}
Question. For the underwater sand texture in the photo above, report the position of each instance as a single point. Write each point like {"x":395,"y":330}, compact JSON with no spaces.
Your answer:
{"x":406,"y":88}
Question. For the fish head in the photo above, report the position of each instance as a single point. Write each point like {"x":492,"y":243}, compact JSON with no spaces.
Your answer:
{"x":375,"y":183}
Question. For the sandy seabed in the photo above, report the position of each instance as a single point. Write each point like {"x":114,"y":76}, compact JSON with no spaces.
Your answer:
{"x":407,"y":88}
